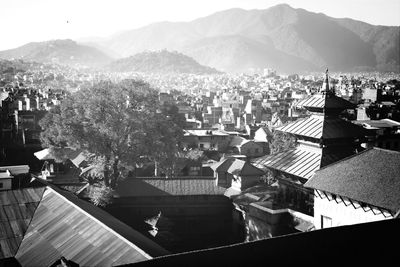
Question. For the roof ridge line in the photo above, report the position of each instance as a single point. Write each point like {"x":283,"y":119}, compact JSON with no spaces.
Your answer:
{"x":146,"y":255}
{"x":50,"y":186}
{"x":29,"y":224}
{"x":348,"y":157}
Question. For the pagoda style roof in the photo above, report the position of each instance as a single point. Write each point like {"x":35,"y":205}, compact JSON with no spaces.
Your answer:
{"x":302,"y":161}
{"x":325,"y":101}
{"x":323,"y":127}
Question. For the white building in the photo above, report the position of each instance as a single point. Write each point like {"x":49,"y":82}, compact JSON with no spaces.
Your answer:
{"x":362,"y":188}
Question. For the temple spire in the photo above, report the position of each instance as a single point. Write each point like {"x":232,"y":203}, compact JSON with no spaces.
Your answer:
{"x":325,"y":86}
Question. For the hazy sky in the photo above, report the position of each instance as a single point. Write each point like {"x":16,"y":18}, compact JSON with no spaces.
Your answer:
{"x":24,"y":21}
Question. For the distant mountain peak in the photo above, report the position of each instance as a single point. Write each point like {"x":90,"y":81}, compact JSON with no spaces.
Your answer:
{"x":61,"y":51}
{"x":281,"y":37}
{"x":160,"y":61}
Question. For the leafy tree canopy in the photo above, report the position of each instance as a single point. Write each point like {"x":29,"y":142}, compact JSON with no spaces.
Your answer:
{"x":120,"y":123}
{"x":281,"y":142}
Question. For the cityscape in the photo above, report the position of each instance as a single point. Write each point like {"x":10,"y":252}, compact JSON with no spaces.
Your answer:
{"x":221,"y":134}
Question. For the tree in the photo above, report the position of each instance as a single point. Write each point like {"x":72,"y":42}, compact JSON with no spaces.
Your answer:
{"x":118,"y":123}
{"x":164,"y":139}
{"x":281,"y":142}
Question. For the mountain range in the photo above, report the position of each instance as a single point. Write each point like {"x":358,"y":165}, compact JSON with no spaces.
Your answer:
{"x":281,"y":37}
{"x":67,"y":52}
{"x":160,"y":62}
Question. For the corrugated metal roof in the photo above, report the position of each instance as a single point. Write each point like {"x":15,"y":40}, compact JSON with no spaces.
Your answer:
{"x":325,"y":101}
{"x":162,"y":187}
{"x":299,"y":162}
{"x":16,"y":210}
{"x":310,"y":127}
{"x":64,"y":225}
{"x":319,"y":126}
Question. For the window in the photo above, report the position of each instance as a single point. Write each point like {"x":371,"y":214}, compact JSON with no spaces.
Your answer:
{"x":256,"y":150}
{"x":326,"y":222}
{"x":1,"y":185}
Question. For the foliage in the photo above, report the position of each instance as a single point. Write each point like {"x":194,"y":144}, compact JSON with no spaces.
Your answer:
{"x":281,"y":142}
{"x":100,"y":195}
{"x":119,"y":123}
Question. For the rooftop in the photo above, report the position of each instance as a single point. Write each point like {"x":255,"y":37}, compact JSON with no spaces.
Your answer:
{"x":384,"y":123}
{"x":372,"y":177}
{"x":205,"y":133}
{"x":237,"y":167}
{"x":321,"y":127}
{"x":135,"y":187}
{"x":325,"y":102}
{"x":309,"y":248}
{"x":302,"y":161}
{"x":39,"y":225}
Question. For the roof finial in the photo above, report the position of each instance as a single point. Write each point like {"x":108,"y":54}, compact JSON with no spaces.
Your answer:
{"x":326,"y":88}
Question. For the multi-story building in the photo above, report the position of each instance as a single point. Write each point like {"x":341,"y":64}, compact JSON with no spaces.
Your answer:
{"x":322,"y":138}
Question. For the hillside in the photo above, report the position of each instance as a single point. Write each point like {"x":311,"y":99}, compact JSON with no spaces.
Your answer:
{"x":280,"y":37}
{"x":66,"y":52}
{"x":162,"y":62}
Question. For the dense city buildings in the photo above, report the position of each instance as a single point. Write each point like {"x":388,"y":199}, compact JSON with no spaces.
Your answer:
{"x":256,"y":135}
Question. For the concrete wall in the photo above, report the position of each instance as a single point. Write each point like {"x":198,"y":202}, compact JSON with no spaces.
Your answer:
{"x":5,"y":184}
{"x":342,"y":214}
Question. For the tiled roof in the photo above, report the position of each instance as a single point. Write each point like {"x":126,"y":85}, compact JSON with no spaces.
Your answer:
{"x":16,"y":210}
{"x":299,"y":162}
{"x":133,"y":187}
{"x":318,"y":126}
{"x":372,"y":177}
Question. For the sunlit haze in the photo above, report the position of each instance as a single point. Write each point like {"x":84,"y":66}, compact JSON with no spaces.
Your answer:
{"x":26,"y":21}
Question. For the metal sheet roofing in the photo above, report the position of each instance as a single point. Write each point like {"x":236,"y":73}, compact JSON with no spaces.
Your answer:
{"x":39,"y":225}
{"x":310,"y":127}
{"x":324,"y":101}
{"x":64,"y":225}
{"x":164,"y":187}
{"x":16,"y":210}
{"x":319,"y":126}
{"x":299,"y":162}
